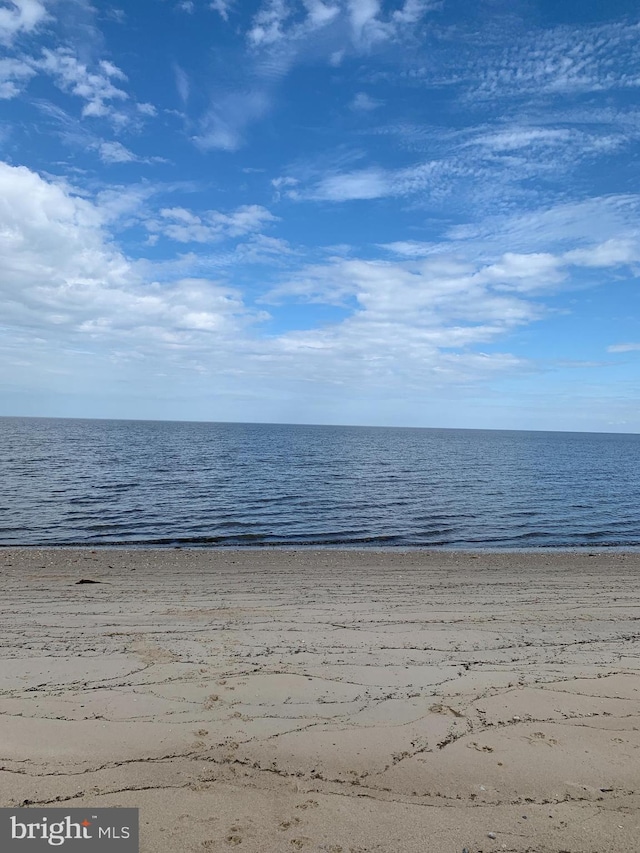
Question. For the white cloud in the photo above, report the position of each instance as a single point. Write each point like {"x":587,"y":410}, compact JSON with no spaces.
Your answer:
{"x":363,"y":15}
{"x":364,"y":103}
{"x":225,"y":121}
{"x":146,"y":109}
{"x":563,"y":61}
{"x":285,"y":32}
{"x":14,"y":74}
{"x":613,"y":252}
{"x":370,"y":183}
{"x":321,"y":13}
{"x":182,"y":82}
{"x":361,"y":184}
{"x":61,"y":275}
{"x":513,"y":139}
{"x":525,"y":272}
{"x":115,"y":152}
{"x":624,"y":348}
{"x":95,"y":87}
{"x":267,"y":26}
{"x":414,"y":10}
{"x":20,"y":16}
{"x":411,"y":248}
{"x":183,"y":226}
{"x":222,"y":7}
{"x":581,"y":224}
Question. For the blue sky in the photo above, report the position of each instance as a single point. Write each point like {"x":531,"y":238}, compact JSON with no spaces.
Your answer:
{"x":414,"y":212}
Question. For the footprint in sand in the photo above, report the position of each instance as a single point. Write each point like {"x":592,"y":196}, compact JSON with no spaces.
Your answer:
{"x":287,"y":824}
{"x":540,"y":737}
{"x":308,"y":804}
{"x":234,"y":837}
{"x":479,"y":747}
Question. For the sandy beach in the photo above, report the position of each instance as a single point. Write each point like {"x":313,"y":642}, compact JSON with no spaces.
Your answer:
{"x":334,"y":701}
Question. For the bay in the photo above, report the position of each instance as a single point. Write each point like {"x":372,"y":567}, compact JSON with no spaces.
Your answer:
{"x":100,"y":482}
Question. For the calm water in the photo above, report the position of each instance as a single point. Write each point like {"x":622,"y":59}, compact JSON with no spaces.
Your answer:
{"x":142,"y":482}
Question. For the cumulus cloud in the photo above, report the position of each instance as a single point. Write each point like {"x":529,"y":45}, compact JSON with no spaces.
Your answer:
{"x":62,"y":277}
{"x":435,"y":315}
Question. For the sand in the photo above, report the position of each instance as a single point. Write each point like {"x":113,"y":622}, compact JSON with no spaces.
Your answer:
{"x":328,"y":700}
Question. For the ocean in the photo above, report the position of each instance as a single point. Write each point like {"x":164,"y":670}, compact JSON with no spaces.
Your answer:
{"x":102,"y":482}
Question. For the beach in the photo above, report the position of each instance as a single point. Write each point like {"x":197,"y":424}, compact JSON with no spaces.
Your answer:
{"x":336,"y":700}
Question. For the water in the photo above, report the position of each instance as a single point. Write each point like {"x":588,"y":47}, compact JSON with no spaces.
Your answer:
{"x":88,"y":482}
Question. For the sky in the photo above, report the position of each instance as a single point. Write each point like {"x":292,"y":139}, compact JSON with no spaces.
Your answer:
{"x":383,"y":212}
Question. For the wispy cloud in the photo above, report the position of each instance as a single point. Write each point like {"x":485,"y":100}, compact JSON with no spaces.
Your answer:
{"x":224,"y":123}
{"x":364,"y":103}
{"x":564,"y":61}
{"x":182,"y":83}
{"x":222,"y":7}
{"x":14,"y":75}
{"x":365,"y":184}
{"x":283,"y":33}
{"x":95,"y":86}
{"x":21,"y":16}
{"x":624,"y":348}
{"x":184,"y":226}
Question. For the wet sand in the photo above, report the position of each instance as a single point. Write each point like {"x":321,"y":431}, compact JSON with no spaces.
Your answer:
{"x":333,"y":701}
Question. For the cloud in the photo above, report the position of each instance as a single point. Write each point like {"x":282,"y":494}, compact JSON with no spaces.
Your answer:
{"x":115,"y":152}
{"x":184,"y":226}
{"x":222,"y":7}
{"x":182,"y":82}
{"x":562,"y":61}
{"x":613,"y":252}
{"x":423,"y":321}
{"x":364,"y":103}
{"x":411,"y":248}
{"x":14,"y":74}
{"x":514,"y":139}
{"x":624,"y":348}
{"x":95,"y":87}
{"x":428,"y":313}
{"x":283,"y":33}
{"x":267,"y":26}
{"x":21,"y":16}
{"x":560,"y":227}
{"x":225,"y":121}
{"x":62,"y":278}
{"x":369,"y":183}
{"x":360,"y":184}
{"x":414,"y":322}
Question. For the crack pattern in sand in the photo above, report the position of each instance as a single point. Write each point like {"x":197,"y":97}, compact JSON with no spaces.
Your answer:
{"x":389,"y":680}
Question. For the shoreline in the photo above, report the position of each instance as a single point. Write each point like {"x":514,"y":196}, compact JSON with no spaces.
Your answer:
{"x":328,"y":700}
{"x":589,"y":550}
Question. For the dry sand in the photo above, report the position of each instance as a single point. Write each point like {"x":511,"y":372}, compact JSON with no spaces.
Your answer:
{"x":328,"y":701}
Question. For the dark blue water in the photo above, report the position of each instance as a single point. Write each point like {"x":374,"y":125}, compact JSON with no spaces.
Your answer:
{"x":143,"y":482}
